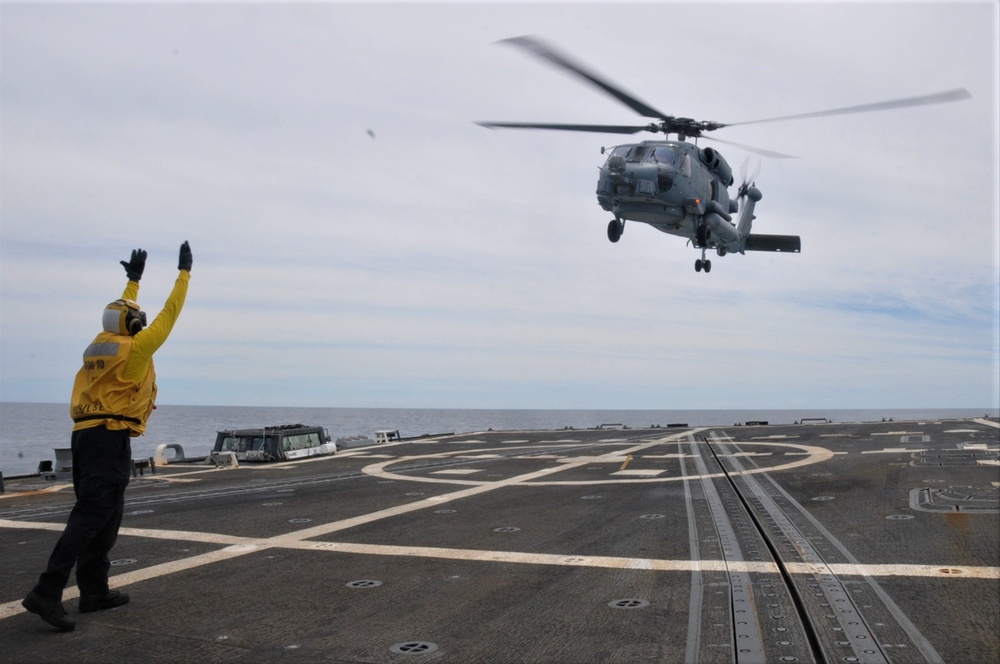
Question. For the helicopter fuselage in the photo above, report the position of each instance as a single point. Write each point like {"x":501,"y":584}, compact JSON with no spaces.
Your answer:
{"x":670,"y":185}
{"x":681,"y":189}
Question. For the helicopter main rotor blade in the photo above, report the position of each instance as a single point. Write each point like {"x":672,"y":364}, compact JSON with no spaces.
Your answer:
{"x":599,"y":129}
{"x":956,"y":94}
{"x":762,"y":152}
{"x":545,"y":52}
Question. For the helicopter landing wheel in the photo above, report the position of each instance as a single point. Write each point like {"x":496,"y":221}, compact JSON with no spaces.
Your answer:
{"x":705,"y":265}
{"x":615,"y":229}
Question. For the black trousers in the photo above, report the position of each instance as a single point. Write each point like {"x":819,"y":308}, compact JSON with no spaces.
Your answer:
{"x":101,"y":471}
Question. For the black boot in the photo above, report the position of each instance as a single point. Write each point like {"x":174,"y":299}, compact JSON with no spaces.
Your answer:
{"x":108,"y":600}
{"x":49,"y":610}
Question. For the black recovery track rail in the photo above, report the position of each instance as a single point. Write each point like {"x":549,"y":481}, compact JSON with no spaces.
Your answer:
{"x":777,"y":584}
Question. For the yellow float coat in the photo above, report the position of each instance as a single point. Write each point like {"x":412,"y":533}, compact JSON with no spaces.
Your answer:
{"x":117,"y":379}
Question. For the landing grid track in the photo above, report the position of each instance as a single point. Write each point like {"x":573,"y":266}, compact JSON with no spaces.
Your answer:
{"x":818,"y":614}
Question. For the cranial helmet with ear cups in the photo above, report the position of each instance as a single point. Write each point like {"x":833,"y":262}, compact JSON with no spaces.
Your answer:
{"x":124,"y":317}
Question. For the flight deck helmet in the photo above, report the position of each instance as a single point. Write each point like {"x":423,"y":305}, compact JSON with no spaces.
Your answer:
{"x":124,"y":317}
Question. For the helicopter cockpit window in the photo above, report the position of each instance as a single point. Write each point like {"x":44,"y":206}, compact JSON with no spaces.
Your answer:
{"x":640,"y":153}
{"x":620,"y":151}
{"x":665,"y":155}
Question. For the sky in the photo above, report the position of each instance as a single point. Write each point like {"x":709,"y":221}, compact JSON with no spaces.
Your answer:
{"x":359,"y":241}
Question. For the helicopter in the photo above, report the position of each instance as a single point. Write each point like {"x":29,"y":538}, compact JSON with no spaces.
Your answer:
{"x":675,"y":186}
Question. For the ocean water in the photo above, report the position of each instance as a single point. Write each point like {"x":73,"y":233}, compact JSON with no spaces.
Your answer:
{"x":30,"y":431}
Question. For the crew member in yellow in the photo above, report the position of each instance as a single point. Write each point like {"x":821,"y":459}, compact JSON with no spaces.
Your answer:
{"x":113,"y":395}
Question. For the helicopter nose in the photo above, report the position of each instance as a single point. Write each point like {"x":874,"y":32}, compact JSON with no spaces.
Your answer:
{"x":664,"y":180}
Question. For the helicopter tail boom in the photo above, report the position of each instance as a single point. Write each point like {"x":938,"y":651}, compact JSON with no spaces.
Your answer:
{"x":749,"y":195}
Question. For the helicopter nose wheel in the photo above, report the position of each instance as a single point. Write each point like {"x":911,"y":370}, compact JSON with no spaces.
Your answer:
{"x":615,"y":229}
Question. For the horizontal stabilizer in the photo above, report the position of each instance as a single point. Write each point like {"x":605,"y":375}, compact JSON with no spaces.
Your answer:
{"x":785,"y":243}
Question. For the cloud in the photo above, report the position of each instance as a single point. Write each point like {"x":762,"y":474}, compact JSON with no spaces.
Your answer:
{"x":444,"y":265}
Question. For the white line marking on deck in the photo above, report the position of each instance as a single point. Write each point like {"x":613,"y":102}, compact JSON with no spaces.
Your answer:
{"x":892,"y":450}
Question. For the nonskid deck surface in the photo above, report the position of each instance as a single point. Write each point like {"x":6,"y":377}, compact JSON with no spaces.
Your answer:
{"x":796,"y":543}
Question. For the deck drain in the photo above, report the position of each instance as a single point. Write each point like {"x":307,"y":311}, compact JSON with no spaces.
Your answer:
{"x":364,"y":583}
{"x":415,"y":493}
{"x":818,"y":498}
{"x":303,"y":520}
{"x":414,"y":648}
{"x":506,"y":529}
{"x":653,"y":516}
{"x":136,"y":512}
{"x":592,"y":497}
{"x":899,"y":517}
{"x":123,"y":561}
{"x":445,"y":511}
{"x":628,"y":603}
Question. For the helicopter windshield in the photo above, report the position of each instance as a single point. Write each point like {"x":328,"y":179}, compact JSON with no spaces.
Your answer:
{"x":665,"y":155}
{"x":640,"y":153}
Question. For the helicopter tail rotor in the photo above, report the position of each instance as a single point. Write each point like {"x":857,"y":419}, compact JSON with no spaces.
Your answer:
{"x":748,"y":177}
{"x":748,"y":195}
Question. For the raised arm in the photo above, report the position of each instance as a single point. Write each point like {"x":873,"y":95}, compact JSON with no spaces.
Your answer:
{"x":149,"y":340}
{"x":133,"y":269}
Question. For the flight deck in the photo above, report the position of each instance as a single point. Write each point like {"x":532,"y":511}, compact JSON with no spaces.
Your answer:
{"x":813,"y":542}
